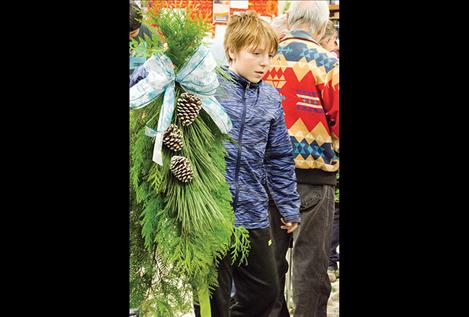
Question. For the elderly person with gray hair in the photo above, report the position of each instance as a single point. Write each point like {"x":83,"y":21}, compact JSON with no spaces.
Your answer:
{"x":280,"y":25}
{"x":307,"y":76}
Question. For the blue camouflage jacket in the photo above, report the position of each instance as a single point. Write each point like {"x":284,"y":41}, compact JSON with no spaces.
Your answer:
{"x":261,"y":159}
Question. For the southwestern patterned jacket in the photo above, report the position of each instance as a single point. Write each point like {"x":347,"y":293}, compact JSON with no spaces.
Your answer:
{"x":307,"y":77}
{"x":262,"y":156}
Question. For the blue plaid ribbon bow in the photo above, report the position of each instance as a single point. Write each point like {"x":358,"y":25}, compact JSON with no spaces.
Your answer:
{"x":197,"y":77}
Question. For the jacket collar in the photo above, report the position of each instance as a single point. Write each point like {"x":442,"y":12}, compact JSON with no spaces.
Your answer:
{"x":240,"y":80}
{"x":300,"y":34}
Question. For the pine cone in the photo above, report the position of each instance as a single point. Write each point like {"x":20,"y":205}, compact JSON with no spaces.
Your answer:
{"x":188,"y":107}
{"x":181,"y":168}
{"x":172,"y":138}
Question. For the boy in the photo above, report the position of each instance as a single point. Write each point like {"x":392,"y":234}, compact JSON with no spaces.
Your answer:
{"x":261,"y":160}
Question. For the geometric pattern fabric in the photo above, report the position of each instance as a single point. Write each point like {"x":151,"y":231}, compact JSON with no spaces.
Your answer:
{"x":296,"y":51}
{"x":305,"y":149}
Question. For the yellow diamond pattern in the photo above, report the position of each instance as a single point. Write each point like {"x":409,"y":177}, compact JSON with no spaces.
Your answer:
{"x":298,"y":130}
{"x":309,"y":138}
{"x":320,"y":134}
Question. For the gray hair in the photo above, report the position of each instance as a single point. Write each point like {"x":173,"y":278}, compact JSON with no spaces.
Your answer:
{"x":310,"y":14}
{"x":279,"y":24}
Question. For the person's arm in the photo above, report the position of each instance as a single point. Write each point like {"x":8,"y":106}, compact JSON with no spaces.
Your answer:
{"x":280,"y":170}
{"x":138,"y":74}
{"x":330,"y":102}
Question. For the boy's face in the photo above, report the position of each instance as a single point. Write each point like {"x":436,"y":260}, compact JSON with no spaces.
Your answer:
{"x":251,"y":63}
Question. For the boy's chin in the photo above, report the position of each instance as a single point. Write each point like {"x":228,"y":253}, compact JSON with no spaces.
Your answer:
{"x":254,"y":80}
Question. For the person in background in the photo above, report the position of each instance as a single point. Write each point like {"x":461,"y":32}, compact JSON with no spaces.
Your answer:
{"x":330,"y":39}
{"x":216,"y":45}
{"x":280,"y":25}
{"x":307,"y":77}
{"x":329,"y":42}
{"x":137,"y":31}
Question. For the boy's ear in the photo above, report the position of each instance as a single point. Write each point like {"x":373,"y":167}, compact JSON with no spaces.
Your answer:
{"x":232,"y":53}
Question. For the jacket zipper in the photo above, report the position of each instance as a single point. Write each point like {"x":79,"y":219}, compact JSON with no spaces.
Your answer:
{"x":240,"y":143}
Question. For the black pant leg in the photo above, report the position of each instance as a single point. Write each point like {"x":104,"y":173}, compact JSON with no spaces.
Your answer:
{"x":281,"y":242}
{"x":257,"y":285}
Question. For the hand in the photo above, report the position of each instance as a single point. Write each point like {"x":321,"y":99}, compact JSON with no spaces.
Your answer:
{"x":290,"y":227}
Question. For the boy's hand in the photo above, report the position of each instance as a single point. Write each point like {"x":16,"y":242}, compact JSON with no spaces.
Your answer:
{"x":290,"y":227}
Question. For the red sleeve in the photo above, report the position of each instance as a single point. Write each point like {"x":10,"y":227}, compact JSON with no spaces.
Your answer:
{"x":330,"y":100}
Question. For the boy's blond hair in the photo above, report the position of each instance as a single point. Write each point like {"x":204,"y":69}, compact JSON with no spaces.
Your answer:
{"x":247,"y":29}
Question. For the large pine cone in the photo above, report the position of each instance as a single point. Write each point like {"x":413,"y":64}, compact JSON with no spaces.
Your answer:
{"x":172,"y":138}
{"x":188,"y":107}
{"x":181,"y":168}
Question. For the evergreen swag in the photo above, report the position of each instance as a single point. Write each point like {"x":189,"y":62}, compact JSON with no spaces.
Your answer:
{"x":179,"y":231}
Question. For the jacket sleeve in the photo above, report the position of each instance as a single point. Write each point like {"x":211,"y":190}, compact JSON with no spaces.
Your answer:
{"x":330,"y":99}
{"x":280,"y":169}
{"x":138,"y":74}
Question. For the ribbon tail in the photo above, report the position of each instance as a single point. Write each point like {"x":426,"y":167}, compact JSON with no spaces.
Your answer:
{"x":157,"y":149}
{"x":164,"y":121}
{"x":217,"y":113}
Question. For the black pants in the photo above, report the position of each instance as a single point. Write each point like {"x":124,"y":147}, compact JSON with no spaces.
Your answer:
{"x":256,"y":284}
{"x":281,"y":242}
